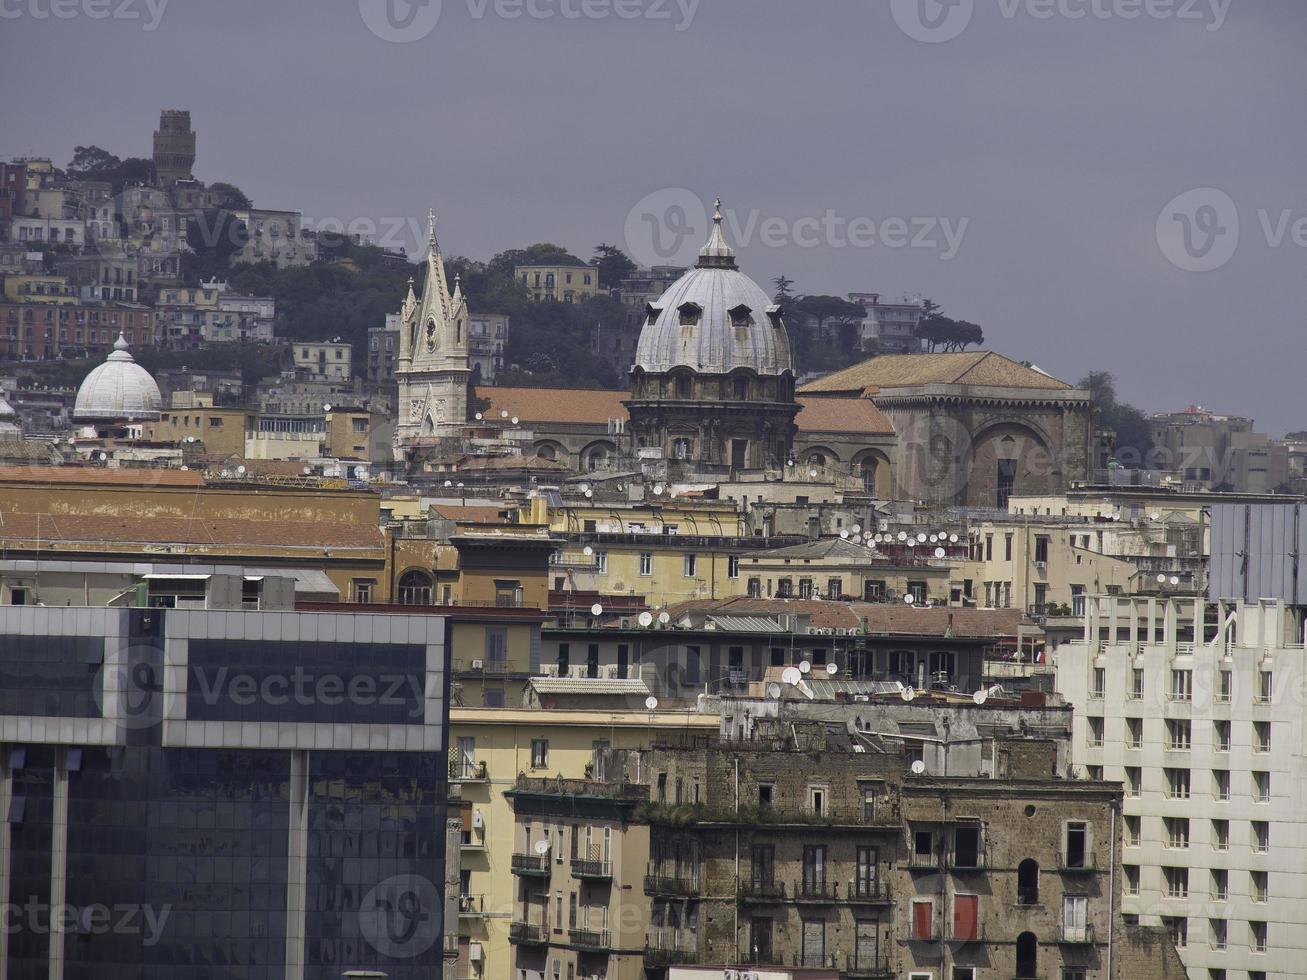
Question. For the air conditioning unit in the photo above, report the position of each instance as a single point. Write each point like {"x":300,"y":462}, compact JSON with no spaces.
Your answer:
{"x":478,"y":664}
{"x":1041,"y":564}
{"x":474,"y":952}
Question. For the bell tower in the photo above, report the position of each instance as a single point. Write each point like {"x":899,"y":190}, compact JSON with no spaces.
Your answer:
{"x":433,"y":369}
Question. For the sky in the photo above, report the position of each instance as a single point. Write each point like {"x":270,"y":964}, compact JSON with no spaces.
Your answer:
{"x":1101,"y":184}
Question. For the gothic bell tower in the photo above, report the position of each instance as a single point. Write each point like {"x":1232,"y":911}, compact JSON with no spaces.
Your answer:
{"x":433,"y":369}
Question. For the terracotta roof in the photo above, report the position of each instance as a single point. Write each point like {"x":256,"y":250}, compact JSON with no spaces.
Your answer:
{"x":841,"y":415}
{"x":100,"y":477}
{"x":54,"y":529}
{"x":471,"y":515}
{"x":17,"y":450}
{"x":887,"y":617}
{"x":593,"y":405}
{"x":827,"y":615}
{"x":980,"y":367}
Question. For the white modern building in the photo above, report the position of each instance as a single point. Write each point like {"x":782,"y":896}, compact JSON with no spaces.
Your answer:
{"x":1197,"y":707}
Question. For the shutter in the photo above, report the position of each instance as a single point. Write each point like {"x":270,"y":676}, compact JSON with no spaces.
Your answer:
{"x":814,"y":942}
{"x":965,"y":908}
{"x":865,"y":949}
{"x":922,"y":916}
{"x":465,"y":815}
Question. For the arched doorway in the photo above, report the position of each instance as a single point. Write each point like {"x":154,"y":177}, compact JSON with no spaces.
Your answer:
{"x":415,"y":588}
{"x":1027,"y":956}
{"x":1028,"y":882}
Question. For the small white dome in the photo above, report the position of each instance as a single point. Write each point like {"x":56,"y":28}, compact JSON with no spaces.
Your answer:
{"x":8,"y":418}
{"x":118,"y":389}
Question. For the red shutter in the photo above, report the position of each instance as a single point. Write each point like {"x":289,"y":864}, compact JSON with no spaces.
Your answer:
{"x":922,"y":920}
{"x":965,"y":909}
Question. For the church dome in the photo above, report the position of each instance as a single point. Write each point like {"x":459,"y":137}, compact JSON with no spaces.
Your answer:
{"x":714,"y":320}
{"x":119,"y":389}
{"x":8,"y":418}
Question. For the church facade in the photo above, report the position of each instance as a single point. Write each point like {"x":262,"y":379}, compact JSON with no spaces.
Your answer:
{"x":433,"y":368}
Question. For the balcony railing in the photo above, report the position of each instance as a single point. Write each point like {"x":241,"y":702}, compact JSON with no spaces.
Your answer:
{"x":813,"y":890}
{"x":1077,"y":935}
{"x":756,"y":890}
{"x":589,"y":938}
{"x":467,"y":771}
{"x":871,"y":892}
{"x":975,"y":935}
{"x":666,"y":947}
{"x":598,"y":870}
{"x":528,"y":934}
{"x":472,"y":905}
{"x":531,"y":865}
{"x":664,"y":884}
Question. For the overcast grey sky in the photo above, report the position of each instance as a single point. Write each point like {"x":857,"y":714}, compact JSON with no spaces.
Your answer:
{"x":1047,"y":143}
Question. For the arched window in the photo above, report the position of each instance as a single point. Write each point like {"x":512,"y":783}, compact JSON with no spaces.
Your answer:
{"x":690,"y":314}
{"x":1027,"y":955}
{"x":868,"y":472}
{"x":415,"y":588}
{"x":1028,"y":882}
{"x":597,"y":459}
{"x":741,"y":388}
{"x":546,"y":452}
{"x":681,"y":448}
{"x":683,"y":386}
{"x":816,"y":459}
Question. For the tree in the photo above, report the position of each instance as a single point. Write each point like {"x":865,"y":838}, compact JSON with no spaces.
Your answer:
{"x":1134,"y":436}
{"x":229,"y":196}
{"x":133,"y":170}
{"x":91,"y":161}
{"x":952,"y":335}
{"x":783,"y":284}
{"x":832,"y":310}
{"x":214,"y":237}
{"x":613,"y":264}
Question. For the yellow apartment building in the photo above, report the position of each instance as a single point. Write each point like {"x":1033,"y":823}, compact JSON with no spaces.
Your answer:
{"x":561,"y":283}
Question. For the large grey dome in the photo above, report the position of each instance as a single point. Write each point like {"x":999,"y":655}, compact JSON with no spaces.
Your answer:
{"x":713,"y":320}
{"x":118,"y":389}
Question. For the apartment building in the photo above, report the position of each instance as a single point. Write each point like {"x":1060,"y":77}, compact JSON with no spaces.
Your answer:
{"x":562,"y":282}
{"x":331,"y":360}
{"x":1195,"y":707}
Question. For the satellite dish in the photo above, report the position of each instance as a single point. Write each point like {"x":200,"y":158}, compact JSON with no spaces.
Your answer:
{"x":240,"y":469}
{"x":876,"y":538}
{"x":480,"y":417}
{"x":773,"y":691}
{"x":1161,"y":579}
{"x":1155,"y":516}
{"x":503,"y":414}
{"x":596,"y":610}
{"x":583,"y":487}
{"x":1116,"y":517}
{"x":921,"y":536}
{"x":912,"y":542}
{"x":857,"y":528}
{"x":832,"y":669}
{"x":909,"y":598}
{"x":953,"y":538}
{"x":651,"y":702}
{"x":918,"y":767}
{"x":940,"y":552}
{"x":587,"y":551}
{"x":934,"y":538}
{"x":903,"y":535}
{"x":664,"y":617}
{"x":449,"y":483}
{"x":1175,"y":579}
{"x":185,"y":468}
{"x":791,"y":675}
{"x":326,"y":408}
{"x":589,"y":493}
{"x":645,"y":619}
{"x":541,"y":847}
{"x":805,"y":667}
{"x":658,"y":489}
{"x":907,"y":694}
{"x":844,"y":534}
{"x":980,"y":697}
{"x":513,"y":420}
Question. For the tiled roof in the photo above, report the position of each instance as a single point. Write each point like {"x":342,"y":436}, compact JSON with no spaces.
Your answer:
{"x":15,"y":450}
{"x":589,"y":685}
{"x":984,"y":368}
{"x":55,"y":529}
{"x":889,"y":617}
{"x":470,"y":515}
{"x":100,"y":477}
{"x":836,"y":548}
{"x":841,"y":415}
{"x":594,"y":405}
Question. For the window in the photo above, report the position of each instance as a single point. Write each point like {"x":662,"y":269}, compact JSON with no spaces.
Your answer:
{"x":1178,"y":926}
{"x":1027,"y":955}
{"x":1261,"y":836}
{"x":1220,"y":884}
{"x":1131,"y":872}
{"x":539,"y":753}
{"x":1178,"y":734}
{"x":923,"y":847}
{"x":1075,"y":844}
{"x":1177,"y":831}
{"x":1221,"y":735}
{"x":1137,"y":684}
{"x":689,"y":565}
{"x":601,"y":562}
{"x":765,"y":792}
{"x":362,"y":589}
{"x":1028,"y":882}
{"x":1261,"y":787}
{"x":732,"y":566}
{"x":1134,"y":733}
{"x":1221,"y":835}
{"x":866,"y":872}
{"x":1259,"y":886}
{"x":1041,"y":548}
{"x":814,"y":942}
{"x":1177,"y":882}
{"x":1075,"y":918}
{"x":1133,"y":780}
{"x":1132,"y":822}
{"x":1264,"y":688}
{"x":814,"y":869}
{"x":1218,"y":931}
{"x":967,"y":845}
{"x":1099,"y":684}
{"x":1261,"y":736}
{"x":1257,"y":936}
{"x":1095,"y":732}
{"x":1007,"y":547}
{"x":805,"y":588}
{"x":1182,"y":685}
{"x":1177,"y":784}
{"x":1221,"y":783}
{"x":817,"y":800}
{"x":1225,"y":687}
{"x":763,"y":865}
{"x":646,"y":563}
{"x":834,"y":588}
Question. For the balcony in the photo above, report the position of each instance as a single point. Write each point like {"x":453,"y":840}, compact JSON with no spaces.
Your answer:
{"x":766,"y":892}
{"x":682,"y":885}
{"x":531,"y":865}
{"x":818,"y":891}
{"x":976,"y":935}
{"x":875,"y":892}
{"x":667,"y":947}
{"x":472,"y":841}
{"x":1085,"y":866}
{"x":589,"y":938}
{"x":528,"y":934}
{"x":467,"y":771}
{"x":1081,"y":935}
{"x":471,"y":906}
{"x":592,"y":870}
